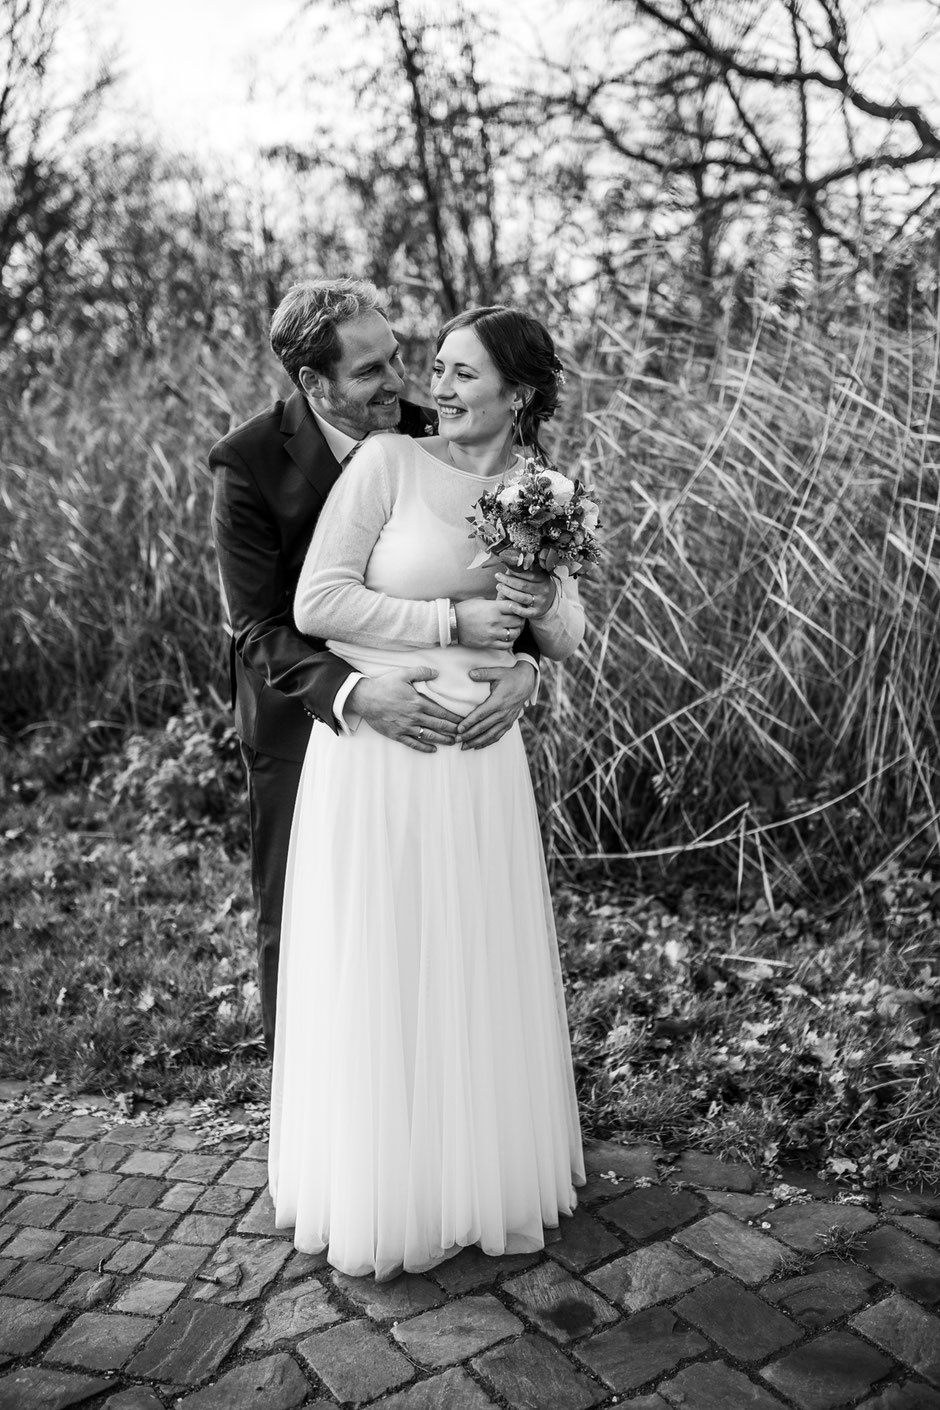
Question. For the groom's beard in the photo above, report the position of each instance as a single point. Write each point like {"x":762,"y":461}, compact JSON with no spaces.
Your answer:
{"x":358,"y":417}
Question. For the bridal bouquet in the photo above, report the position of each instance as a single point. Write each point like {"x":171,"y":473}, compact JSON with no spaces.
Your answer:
{"x":538,"y":518}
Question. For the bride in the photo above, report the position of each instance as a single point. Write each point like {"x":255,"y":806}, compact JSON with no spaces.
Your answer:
{"x":422,"y":1091}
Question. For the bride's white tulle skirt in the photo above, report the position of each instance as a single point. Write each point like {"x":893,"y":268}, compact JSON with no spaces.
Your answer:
{"x":422,"y":1092}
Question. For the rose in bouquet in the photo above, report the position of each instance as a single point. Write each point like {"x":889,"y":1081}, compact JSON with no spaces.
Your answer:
{"x":538,"y":518}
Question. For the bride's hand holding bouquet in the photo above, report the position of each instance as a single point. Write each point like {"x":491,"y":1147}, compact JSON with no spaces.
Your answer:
{"x":541,"y":526}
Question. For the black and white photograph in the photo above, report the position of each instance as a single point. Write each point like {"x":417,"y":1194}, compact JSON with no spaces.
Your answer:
{"x":470,"y":704}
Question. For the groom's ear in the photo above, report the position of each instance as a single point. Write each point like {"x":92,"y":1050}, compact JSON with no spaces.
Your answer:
{"x":311,"y":382}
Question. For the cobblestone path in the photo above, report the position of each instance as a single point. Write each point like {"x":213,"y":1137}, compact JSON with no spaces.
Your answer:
{"x":139,"y":1269}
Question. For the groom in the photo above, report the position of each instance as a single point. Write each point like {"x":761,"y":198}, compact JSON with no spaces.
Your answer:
{"x":272,"y":476}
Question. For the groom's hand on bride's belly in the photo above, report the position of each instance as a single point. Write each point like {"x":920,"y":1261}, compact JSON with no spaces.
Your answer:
{"x":390,"y":705}
{"x":510,"y":688}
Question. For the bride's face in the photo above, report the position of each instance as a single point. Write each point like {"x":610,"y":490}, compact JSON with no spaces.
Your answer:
{"x":474,"y":405}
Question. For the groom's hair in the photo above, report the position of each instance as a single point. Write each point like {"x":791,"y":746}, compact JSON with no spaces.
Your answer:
{"x":305,"y":325}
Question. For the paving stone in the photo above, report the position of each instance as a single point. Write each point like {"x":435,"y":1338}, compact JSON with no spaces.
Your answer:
{"x":85,"y":1251}
{"x":260,"y":1219}
{"x":735,"y":1247}
{"x":909,"y":1202}
{"x":32,"y":1243}
{"x":44,"y":1183}
{"x":655,"y":1210}
{"x":93,"y":1185}
{"x":136,"y":1136}
{"x":144,"y":1162}
{"x":38,"y":1280}
{"x":472,"y":1268}
{"x":149,"y":1224}
{"x":248,"y":1174}
{"x":805,"y":1226}
{"x":38,"y":1211}
{"x":100,"y":1156}
{"x":650,"y":1275}
{"x":87,"y":1290}
{"x":711,"y":1385}
{"x":562,"y":1306}
{"x":177,"y":1261}
{"x":921,"y":1228}
{"x":355,"y":1362}
{"x":712,"y":1173}
{"x":912,"y":1266}
{"x":150,"y":1297}
{"x":275,"y":1382}
{"x":737,"y":1320}
{"x":100,"y":1341}
{"x":584,"y":1241}
{"x":183,"y":1140}
{"x":136,"y":1398}
{"x":11,"y":1171}
{"x":83,"y":1127}
{"x":240,"y":1269}
{"x":641,"y":1348}
{"x":743,"y":1207}
{"x":35,"y":1388}
{"x":401,"y":1297}
{"x":189,"y":1344}
{"x":831,"y":1370}
{"x":88,"y":1218}
{"x":293,"y":1313}
{"x":202,"y":1168}
{"x":452,"y":1390}
{"x":182,"y":1197}
{"x":633,"y":1162}
{"x":529,"y":1373}
{"x":912,"y":1395}
{"x":139,"y":1191}
{"x":301,"y":1265}
{"x":222,"y":1199}
{"x":25,"y":1323}
{"x":127,"y":1258}
{"x":201,"y":1229}
{"x":462,"y":1328}
{"x":58,"y":1152}
{"x":906,"y":1332}
{"x":828,"y":1291}
{"x":6,"y":1266}
{"x":652,"y":1402}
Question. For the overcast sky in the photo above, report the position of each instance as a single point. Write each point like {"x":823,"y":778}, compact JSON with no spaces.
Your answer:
{"x":191,"y":64}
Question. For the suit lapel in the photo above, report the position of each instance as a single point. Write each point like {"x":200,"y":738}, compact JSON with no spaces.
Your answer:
{"x":307,"y":447}
{"x":309,"y":451}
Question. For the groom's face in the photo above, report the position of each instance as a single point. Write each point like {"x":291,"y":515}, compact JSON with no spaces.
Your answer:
{"x":361,"y":392}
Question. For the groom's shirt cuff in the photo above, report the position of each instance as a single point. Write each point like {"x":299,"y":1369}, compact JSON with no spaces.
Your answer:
{"x":524,"y":656}
{"x":347,"y":720}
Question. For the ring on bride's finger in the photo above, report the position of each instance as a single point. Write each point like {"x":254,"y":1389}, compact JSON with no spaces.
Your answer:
{"x":421,"y":732}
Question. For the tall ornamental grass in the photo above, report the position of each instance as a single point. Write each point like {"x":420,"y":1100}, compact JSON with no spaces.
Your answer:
{"x":760,"y":681}
{"x":758,"y":687}
{"x":111,"y":603}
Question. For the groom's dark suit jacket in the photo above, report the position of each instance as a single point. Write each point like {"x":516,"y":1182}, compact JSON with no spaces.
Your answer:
{"x":272,"y":476}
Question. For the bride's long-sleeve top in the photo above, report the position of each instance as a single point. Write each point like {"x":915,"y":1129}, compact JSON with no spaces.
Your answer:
{"x":392,"y":550}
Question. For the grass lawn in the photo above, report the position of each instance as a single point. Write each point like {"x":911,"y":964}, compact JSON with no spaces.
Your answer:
{"x":768,"y":1037}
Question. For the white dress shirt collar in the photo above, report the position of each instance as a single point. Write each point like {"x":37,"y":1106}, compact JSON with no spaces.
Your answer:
{"x":339,"y":443}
